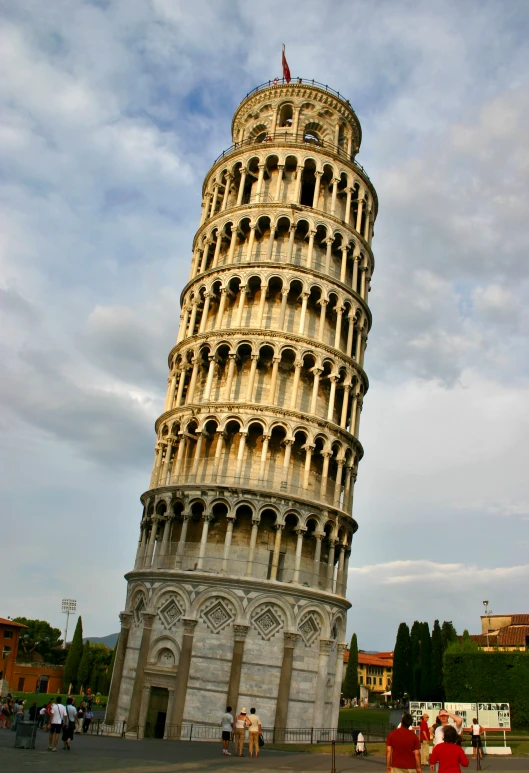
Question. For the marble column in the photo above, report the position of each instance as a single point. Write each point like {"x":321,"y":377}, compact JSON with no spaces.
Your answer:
{"x":277,"y":547}
{"x":239,"y":637}
{"x":321,"y":683}
{"x":285,"y":679}
{"x":251,"y":551}
{"x":337,"y":689}
{"x":117,"y":673}
{"x":134,"y":710}
{"x":184,"y":666}
{"x":227,"y":543}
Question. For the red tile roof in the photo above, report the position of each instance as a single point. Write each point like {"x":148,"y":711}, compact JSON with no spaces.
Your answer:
{"x":4,"y":621}
{"x":513,"y":636}
{"x":520,"y":620}
{"x":386,"y":661}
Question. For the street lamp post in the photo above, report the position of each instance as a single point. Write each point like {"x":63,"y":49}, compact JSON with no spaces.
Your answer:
{"x":488,"y":612}
{"x":69,"y":606}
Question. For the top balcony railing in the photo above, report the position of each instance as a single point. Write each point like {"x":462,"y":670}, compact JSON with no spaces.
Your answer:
{"x":301,"y":81}
{"x":289,"y":138}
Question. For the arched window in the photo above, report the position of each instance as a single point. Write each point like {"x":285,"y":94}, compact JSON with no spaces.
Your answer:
{"x":285,"y":115}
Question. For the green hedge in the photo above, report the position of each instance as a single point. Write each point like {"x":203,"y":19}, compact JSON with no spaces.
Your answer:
{"x":489,"y":677}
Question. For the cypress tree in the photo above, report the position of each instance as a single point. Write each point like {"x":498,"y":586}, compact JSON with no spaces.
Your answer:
{"x":449,"y":633}
{"x":415,"y":660}
{"x":426,"y":663}
{"x":436,"y":676}
{"x":401,"y":663}
{"x":73,"y":659}
{"x":85,"y":667}
{"x":350,"y":683}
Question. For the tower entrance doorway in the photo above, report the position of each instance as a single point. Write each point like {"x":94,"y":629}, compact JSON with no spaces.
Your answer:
{"x":157,"y":712}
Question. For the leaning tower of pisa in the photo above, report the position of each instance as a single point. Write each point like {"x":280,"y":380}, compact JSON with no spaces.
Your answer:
{"x":238,"y":592}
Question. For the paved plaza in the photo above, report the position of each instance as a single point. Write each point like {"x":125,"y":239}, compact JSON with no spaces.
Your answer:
{"x":93,"y":754}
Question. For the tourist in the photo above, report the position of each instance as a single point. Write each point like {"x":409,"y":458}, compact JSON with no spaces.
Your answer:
{"x":424,"y":738}
{"x":254,"y":731}
{"x":47,"y":715}
{"x":448,"y":753}
{"x":80,"y":716}
{"x":476,"y":731}
{"x":33,"y":711}
{"x":58,"y":713}
{"x":403,"y":748}
{"x":19,"y":713}
{"x":360,"y":747}
{"x":69,"y":724}
{"x":87,"y":719}
{"x":241,"y":723}
{"x":444,"y":717}
{"x":226,"y":724}
{"x":4,"y":713}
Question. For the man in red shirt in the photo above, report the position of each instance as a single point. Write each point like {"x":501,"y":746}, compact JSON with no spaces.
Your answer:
{"x":403,"y":749}
{"x":424,"y":738}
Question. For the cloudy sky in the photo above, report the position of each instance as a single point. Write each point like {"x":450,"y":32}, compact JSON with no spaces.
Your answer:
{"x":113,"y":111}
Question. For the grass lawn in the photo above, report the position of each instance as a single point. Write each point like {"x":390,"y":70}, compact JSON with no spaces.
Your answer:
{"x":374,"y":749}
{"x":43,"y":698}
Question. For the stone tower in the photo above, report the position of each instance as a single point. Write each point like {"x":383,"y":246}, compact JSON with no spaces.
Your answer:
{"x":238,"y":593}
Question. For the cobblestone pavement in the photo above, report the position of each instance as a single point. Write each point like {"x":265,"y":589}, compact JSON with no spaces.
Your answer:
{"x":92,"y":754}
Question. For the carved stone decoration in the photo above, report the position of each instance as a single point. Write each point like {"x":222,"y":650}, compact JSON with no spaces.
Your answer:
{"x":218,"y":616}
{"x":309,"y":628}
{"x":326,"y":646}
{"x":138,"y":609}
{"x":267,"y":621}
{"x":170,"y":612}
{"x":189,"y":626}
{"x":240,"y":632}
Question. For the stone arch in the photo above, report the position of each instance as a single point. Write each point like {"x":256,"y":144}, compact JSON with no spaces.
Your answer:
{"x":158,"y":649}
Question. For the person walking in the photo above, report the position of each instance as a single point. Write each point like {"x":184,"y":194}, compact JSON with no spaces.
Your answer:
{"x":424,"y":738}
{"x":80,"y":716}
{"x":4,"y":713}
{"x":33,"y":712}
{"x":58,"y":713}
{"x":69,"y":724}
{"x":449,"y":754}
{"x":403,"y":749}
{"x":226,"y":725}
{"x":241,"y":723}
{"x":476,"y":731}
{"x":254,"y":731}
{"x":19,"y":714}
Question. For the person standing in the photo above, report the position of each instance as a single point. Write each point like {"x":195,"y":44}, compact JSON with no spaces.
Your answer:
{"x":444,"y":717}
{"x":19,"y":713}
{"x":476,"y":731}
{"x":424,"y":738}
{"x":58,"y":713}
{"x":241,"y":723}
{"x":33,"y":712}
{"x":403,"y":749}
{"x":226,"y":724}
{"x":449,"y":754}
{"x":254,"y":731}
{"x":69,"y":724}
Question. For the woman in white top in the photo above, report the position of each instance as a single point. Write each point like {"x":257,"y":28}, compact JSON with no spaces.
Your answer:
{"x":476,"y":739}
{"x":241,"y":723}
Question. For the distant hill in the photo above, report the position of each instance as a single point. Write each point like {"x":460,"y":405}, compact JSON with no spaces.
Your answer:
{"x":109,"y":641}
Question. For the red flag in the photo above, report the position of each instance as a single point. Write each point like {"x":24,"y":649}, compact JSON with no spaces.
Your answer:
{"x":286,"y":69}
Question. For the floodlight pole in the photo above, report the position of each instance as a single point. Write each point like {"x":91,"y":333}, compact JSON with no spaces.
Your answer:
{"x":68,"y":606}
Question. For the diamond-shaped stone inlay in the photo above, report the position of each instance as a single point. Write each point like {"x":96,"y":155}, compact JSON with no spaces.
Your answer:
{"x":170,"y":613}
{"x":138,"y":609}
{"x":267,"y":623}
{"x":218,"y":616}
{"x":309,"y":629}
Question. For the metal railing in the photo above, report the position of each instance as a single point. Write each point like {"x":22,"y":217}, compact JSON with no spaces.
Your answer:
{"x":211,"y":733}
{"x":100,"y":727}
{"x":306,"y":82}
{"x":289,"y":138}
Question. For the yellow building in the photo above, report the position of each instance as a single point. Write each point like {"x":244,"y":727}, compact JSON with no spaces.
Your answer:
{"x":503,"y":632}
{"x":375,"y":671}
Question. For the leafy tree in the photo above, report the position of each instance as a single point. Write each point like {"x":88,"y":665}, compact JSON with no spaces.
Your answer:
{"x":73,"y":659}
{"x":415,"y":660}
{"x":85,"y":667}
{"x":401,"y":663}
{"x":426,"y":663}
{"x":449,"y":633}
{"x":350,"y":683}
{"x":436,"y":677}
{"x":39,"y":638}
